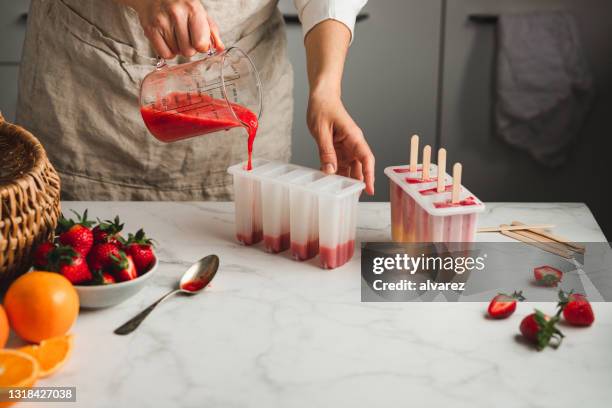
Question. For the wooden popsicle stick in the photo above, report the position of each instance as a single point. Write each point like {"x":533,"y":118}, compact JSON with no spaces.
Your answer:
{"x":441,"y":170}
{"x":456,"y":183}
{"x":539,"y":231}
{"x":426,"y":162}
{"x":560,"y":246}
{"x":414,"y":153}
{"x":515,"y":228}
{"x":543,"y":246}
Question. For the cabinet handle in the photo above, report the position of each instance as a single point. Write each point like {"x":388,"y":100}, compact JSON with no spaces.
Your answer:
{"x":23,"y":17}
{"x":293,"y":19}
{"x":483,"y":18}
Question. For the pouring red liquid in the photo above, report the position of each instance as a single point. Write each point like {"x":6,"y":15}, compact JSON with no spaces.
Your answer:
{"x":188,"y":115}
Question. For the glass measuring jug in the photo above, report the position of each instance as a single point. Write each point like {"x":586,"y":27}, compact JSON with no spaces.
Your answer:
{"x":218,"y":92}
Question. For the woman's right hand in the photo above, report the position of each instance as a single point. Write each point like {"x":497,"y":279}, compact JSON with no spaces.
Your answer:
{"x":177,"y":27}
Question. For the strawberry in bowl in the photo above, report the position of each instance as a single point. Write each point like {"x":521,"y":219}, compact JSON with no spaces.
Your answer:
{"x":140,"y":248}
{"x":104,"y":267}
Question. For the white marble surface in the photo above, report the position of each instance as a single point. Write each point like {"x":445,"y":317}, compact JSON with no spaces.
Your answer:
{"x":271,"y":332}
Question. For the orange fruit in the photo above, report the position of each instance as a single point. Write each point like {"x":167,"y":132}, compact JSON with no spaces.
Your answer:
{"x":4,"y":327}
{"x":17,"y":369}
{"x":51,"y":354}
{"x":41,"y":305}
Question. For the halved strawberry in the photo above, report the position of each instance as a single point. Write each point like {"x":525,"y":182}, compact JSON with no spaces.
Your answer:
{"x":123,"y":268}
{"x":108,"y":231}
{"x":503,"y":305}
{"x":102,"y":278}
{"x":107,"y":278}
{"x":547,"y":275}
{"x":101,"y":255}
{"x":541,"y":330}
{"x":67,"y":261}
{"x":76,"y":234}
{"x":141,"y":249}
{"x":41,"y":255}
{"x":576,"y":309}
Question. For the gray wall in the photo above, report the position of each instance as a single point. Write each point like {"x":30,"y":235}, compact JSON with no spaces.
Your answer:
{"x":12,"y":31}
{"x":494,"y":170}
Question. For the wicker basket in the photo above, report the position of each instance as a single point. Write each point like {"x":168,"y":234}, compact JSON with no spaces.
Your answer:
{"x":29,"y":199}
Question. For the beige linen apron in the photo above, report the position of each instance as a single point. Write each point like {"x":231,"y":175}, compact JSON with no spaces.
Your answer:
{"x":82,"y":65}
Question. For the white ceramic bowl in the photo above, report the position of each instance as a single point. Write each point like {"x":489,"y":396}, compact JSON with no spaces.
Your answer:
{"x":99,"y":296}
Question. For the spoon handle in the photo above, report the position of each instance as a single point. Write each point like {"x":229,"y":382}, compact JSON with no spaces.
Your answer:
{"x":134,"y":322}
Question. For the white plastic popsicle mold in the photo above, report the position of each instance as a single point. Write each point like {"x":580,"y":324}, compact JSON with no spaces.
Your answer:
{"x":420,"y":214}
{"x":297,"y":208}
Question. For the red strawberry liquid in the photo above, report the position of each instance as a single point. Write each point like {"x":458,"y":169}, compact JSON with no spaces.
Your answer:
{"x":187,"y":115}
{"x":433,"y":191}
{"x":302,"y":252}
{"x":193,"y":286}
{"x":334,"y":257}
{"x":250,"y":239}
{"x":463,"y":203}
{"x":277,"y":244}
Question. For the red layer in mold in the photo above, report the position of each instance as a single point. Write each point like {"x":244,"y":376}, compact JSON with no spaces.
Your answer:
{"x":250,"y":239}
{"x":302,"y":252}
{"x":463,"y":203}
{"x":278,"y":243}
{"x":334,"y":257}
{"x":432,"y":191}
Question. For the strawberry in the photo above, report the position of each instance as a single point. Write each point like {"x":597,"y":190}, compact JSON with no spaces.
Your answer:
{"x":67,"y":261}
{"x":41,"y":255}
{"x":102,"y":278}
{"x":108,"y":231}
{"x":576,"y":309}
{"x":76,"y":234}
{"x":547,"y":275}
{"x":503,"y":305}
{"x":107,"y":278}
{"x":541,"y":330}
{"x":141,"y":249}
{"x":101,"y":255}
{"x":123,"y":268}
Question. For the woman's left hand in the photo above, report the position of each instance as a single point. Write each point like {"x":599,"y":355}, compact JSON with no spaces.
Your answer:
{"x":342,"y":146}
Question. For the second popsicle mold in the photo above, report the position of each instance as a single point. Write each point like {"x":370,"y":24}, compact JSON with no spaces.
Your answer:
{"x":297,"y":208}
{"x":421,"y":214}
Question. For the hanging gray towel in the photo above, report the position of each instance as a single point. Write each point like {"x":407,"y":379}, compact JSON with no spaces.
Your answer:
{"x":544,"y":84}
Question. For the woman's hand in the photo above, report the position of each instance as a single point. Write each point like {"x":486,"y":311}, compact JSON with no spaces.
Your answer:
{"x":177,"y":27}
{"x":342,"y":146}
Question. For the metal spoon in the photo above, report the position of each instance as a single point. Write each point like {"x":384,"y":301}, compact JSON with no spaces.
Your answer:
{"x":193,"y":281}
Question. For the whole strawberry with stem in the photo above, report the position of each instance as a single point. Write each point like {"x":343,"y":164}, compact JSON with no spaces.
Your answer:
{"x":576,"y":309}
{"x":541,"y":330}
{"x":140,"y":248}
{"x":101,"y":255}
{"x":123,"y":268}
{"x":76,"y":234}
{"x":70,"y":263}
{"x":504,"y":305}
{"x":41,"y":255}
{"x":108,"y":231}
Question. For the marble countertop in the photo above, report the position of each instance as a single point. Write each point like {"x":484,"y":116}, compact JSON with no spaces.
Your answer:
{"x":272,"y":332}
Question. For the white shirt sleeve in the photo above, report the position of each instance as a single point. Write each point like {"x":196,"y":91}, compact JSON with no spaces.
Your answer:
{"x":312,"y":12}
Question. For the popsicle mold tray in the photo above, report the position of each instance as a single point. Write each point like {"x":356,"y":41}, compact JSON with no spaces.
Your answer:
{"x":420,"y":214}
{"x":297,"y":208}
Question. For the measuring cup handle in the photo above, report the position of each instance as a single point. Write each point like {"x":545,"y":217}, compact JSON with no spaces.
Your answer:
{"x":160,"y":63}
